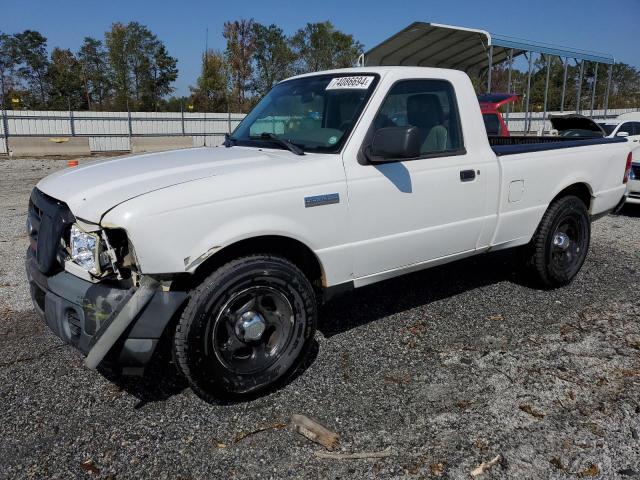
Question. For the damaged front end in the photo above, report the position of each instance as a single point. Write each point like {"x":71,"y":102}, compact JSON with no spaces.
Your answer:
{"x":85,"y":283}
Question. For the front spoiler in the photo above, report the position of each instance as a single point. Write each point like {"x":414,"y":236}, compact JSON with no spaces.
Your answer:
{"x":80,"y":313}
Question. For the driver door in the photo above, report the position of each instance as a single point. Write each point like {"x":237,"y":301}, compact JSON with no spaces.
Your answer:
{"x":408,"y":212}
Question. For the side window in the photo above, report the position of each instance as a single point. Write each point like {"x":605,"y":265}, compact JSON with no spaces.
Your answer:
{"x":491,"y":123}
{"x":429,"y":105}
{"x":626,"y":127}
{"x":636,"y":128}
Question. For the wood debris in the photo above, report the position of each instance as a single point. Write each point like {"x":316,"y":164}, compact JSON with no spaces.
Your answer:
{"x":315,"y":432}
{"x":90,"y":467}
{"x":354,"y":456}
{"x":531,"y":411}
{"x":272,"y":426}
{"x":484,"y":466}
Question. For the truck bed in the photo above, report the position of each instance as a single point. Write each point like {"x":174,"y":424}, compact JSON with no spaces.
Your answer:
{"x":521,"y":144}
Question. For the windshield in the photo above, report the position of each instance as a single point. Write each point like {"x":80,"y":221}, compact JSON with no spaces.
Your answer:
{"x":314,"y":113}
{"x":608,"y":129}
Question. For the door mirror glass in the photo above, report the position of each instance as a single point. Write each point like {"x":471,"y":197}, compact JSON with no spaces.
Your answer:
{"x":394,"y":144}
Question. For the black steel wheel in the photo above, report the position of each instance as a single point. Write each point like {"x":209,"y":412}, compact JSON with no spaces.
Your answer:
{"x":246,"y":327}
{"x":560,"y":245}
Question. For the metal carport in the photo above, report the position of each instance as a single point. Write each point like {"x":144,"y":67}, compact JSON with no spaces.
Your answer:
{"x":475,"y":51}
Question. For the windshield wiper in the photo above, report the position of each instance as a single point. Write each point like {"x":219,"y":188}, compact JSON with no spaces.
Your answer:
{"x":280,"y":141}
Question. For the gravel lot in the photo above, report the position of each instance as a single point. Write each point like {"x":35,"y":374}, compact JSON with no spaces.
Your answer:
{"x":449,"y":367}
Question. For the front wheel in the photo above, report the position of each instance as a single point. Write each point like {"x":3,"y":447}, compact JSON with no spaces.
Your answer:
{"x":246,"y":327}
{"x":560,"y":245}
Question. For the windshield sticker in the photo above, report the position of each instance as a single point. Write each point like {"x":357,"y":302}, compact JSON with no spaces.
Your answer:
{"x":350,"y":83}
{"x":333,"y":140}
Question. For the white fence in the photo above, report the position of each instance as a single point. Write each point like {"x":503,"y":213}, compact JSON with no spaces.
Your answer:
{"x":113,"y":131}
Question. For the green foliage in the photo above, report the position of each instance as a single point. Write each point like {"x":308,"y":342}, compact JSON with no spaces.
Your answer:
{"x":30,"y":50}
{"x":273,"y":57}
{"x":319,"y":46}
{"x":96,"y":73}
{"x":211,"y":91}
{"x":142,"y":69}
{"x":66,"y":90}
{"x":132,"y":69}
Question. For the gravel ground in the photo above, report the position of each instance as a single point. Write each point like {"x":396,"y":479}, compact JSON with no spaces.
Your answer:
{"x":449,"y":368}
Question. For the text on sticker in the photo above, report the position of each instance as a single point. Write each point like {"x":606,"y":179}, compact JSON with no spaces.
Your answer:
{"x":360,"y":82}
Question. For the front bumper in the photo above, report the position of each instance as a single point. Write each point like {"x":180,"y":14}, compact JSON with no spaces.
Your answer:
{"x":79,"y":312}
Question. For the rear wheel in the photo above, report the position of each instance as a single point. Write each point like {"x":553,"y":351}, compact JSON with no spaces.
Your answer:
{"x":560,"y":245}
{"x":246,"y":327}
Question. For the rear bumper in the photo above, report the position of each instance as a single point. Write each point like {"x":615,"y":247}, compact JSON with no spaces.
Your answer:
{"x":78,"y":312}
{"x":634,"y":192}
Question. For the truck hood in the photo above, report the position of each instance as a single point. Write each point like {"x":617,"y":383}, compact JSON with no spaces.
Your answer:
{"x":92,"y":189}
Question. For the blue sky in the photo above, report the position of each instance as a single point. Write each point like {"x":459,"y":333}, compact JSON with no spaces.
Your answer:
{"x":609,"y":26}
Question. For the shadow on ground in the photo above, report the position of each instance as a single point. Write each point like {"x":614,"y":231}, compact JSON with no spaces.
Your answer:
{"x":162,"y":380}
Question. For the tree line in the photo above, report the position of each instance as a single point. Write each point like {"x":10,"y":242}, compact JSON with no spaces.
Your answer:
{"x":131,"y":68}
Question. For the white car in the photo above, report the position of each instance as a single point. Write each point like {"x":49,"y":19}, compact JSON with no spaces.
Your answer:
{"x":628,"y":124}
{"x":335,"y":180}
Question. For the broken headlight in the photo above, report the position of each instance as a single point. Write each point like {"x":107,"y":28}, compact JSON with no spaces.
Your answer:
{"x":85,"y":249}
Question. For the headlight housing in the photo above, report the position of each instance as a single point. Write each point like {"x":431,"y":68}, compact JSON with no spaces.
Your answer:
{"x":85,"y":249}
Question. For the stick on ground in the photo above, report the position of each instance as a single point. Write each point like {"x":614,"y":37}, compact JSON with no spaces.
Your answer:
{"x":315,"y":432}
{"x":350,"y":456}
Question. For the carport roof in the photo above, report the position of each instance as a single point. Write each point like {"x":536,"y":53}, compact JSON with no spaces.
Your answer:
{"x":467,"y":49}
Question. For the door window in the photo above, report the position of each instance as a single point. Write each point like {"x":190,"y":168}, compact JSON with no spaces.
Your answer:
{"x":428,"y":105}
{"x":626,"y":127}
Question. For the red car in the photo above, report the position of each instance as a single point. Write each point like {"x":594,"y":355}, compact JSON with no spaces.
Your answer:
{"x":493,"y":121}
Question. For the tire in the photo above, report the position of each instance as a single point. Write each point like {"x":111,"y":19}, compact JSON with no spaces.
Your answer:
{"x":559,"y":247}
{"x":246,"y":328}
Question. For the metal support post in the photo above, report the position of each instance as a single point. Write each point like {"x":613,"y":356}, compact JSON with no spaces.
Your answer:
{"x":606,"y":94}
{"x":527,"y":118}
{"x":5,"y":128}
{"x":509,"y":84}
{"x":546,"y":94}
{"x":182,"y":117}
{"x":490,"y":69}
{"x":579,"y":94}
{"x":72,"y":127}
{"x":130,"y":124}
{"x":564,"y":83}
{"x":593,"y":89}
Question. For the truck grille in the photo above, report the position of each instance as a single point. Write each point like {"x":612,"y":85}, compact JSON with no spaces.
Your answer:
{"x":48,"y":220}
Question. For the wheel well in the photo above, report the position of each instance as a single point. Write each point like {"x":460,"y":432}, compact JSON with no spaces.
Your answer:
{"x":289,"y":248}
{"x":580,"y":190}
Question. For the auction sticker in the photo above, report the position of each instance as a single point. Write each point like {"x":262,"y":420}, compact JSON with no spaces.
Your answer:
{"x":361,"y":82}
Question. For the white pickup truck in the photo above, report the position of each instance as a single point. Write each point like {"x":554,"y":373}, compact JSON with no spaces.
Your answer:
{"x":335,"y":180}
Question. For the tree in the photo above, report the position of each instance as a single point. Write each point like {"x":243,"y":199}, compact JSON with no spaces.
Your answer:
{"x":319,"y":46}
{"x":8,"y":62}
{"x":96,"y":72}
{"x":31,"y":50}
{"x":274,"y":59}
{"x":240,"y":38}
{"x":65,"y":80}
{"x":162,"y":73}
{"x":118,"y":49}
{"x":210,"y":93}
{"x":143,"y":71}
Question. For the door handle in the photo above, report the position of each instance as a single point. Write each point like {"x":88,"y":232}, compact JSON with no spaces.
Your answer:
{"x":467,"y":175}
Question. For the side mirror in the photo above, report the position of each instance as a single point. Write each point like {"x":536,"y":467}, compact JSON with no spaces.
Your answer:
{"x":394,"y":144}
{"x":622,"y":134}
